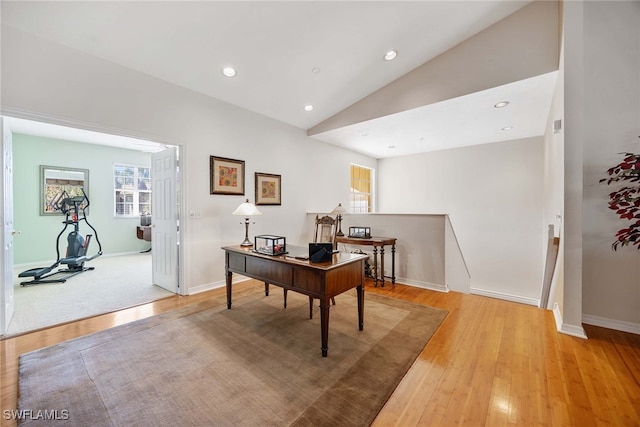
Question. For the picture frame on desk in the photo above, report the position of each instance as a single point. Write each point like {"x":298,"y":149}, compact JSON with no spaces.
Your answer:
{"x":226,"y":176}
{"x":268,"y":189}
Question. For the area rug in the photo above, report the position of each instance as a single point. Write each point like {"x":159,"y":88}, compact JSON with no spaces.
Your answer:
{"x":257,"y":364}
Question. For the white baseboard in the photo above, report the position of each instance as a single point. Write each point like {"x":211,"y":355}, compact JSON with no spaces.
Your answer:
{"x":205,"y":287}
{"x":215,"y":285}
{"x":573,"y":330}
{"x":419,"y":284}
{"x":506,"y":297}
{"x":618,"y":325}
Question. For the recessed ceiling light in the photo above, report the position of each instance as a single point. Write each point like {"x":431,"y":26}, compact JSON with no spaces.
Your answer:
{"x":392,"y":146}
{"x":229,"y":71}
{"x":507,"y":128}
{"x":308,"y":107}
{"x":390,"y":55}
{"x":315,"y":70}
{"x":501,"y":104}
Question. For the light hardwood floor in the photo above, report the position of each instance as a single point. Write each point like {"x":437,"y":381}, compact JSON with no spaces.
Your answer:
{"x":490,"y":363}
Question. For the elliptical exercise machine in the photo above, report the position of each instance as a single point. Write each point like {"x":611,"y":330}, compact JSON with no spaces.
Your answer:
{"x":77,"y":245}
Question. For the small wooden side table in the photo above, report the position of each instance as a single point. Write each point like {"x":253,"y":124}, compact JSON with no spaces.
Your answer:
{"x":143,"y":232}
{"x":376,"y":242}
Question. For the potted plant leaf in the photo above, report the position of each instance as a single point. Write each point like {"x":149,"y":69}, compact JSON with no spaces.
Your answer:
{"x":626,"y":200}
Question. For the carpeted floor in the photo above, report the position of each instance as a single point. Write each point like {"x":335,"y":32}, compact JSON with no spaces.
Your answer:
{"x":117,"y":282}
{"x":256,"y":364}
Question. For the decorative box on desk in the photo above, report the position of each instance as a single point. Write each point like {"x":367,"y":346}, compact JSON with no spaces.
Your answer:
{"x":270,"y":245}
{"x":360,"y":232}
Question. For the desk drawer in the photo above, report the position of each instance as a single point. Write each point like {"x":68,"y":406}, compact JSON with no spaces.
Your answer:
{"x":309,"y":280}
{"x":237,"y":261}
{"x":270,"y":271}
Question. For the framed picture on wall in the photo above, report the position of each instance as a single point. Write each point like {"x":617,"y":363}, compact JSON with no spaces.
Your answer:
{"x":58,"y":183}
{"x":226,"y":176}
{"x":268,"y":189}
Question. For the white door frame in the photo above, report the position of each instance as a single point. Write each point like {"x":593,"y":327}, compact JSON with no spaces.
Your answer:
{"x":6,"y":202}
{"x":180,"y":184}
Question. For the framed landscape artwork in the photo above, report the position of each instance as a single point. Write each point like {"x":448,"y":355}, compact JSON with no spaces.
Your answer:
{"x":226,"y":176}
{"x":268,"y":189}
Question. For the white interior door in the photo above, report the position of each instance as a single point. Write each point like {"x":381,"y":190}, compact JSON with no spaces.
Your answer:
{"x":7,"y":221}
{"x":164,"y":219}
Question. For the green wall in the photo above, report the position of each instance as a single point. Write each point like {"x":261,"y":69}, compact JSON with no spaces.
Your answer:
{"x":37,"y":238}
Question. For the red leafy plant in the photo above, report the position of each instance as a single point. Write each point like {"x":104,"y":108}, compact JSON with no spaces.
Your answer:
{"x":626,"y":201}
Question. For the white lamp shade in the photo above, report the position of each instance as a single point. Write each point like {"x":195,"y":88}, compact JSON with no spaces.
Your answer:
{"x":247,"y":209}
{"x":339,"y":210}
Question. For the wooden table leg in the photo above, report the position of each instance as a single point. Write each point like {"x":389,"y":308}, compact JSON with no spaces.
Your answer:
{"x":360,"y":293}
{"x":266,"y":289}
{"x":382,"y":264}
{"x":393,"y":264}
{"x":375,"y":267}
{"x":324,"y":325}
{"x":229,"y":276}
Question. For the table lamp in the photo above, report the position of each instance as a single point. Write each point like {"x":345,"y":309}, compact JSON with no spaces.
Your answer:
{"x":339,"y":211}
{"x":246,"y":209}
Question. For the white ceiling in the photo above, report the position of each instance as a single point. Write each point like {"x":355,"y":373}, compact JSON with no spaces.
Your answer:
{"x":292,"y":53}
{"x":458,"y":122}
{"x":29,"y":127}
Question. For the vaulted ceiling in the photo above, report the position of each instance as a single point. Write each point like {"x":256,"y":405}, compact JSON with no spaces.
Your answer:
{"x":327,"y":54}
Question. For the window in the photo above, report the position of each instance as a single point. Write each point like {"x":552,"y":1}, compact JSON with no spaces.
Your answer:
{"x":132,"y":190}
{"x":361,"y":200}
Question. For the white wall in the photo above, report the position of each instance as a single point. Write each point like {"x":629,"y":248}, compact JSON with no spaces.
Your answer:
{"x":573,"y":166}
{"x":611,"y":91}
{"x":420,"y":245}
{"x":553,"y":205}
{"x":493,"y":195}
{"x":47,"y":81}
{"x":36,"y":242}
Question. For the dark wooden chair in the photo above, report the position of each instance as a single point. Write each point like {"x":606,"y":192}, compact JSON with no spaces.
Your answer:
{"x":325,"y":231}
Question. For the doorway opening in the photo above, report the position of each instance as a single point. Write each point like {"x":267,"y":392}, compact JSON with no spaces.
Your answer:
{"x":124,"y":276}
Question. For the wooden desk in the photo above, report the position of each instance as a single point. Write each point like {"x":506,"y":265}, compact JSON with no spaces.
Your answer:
{"x":376,"y":242}
{"x":318,"y":280}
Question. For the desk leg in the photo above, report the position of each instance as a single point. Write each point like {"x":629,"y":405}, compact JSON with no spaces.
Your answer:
{"x":393,"y":264}
{"x":229,"y":276}
{"x":382,"y":264}
{"x":375,"y":266}
{"x":324,"y":325}
{"x":266,"y":289}
{"x":360,"y":293}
